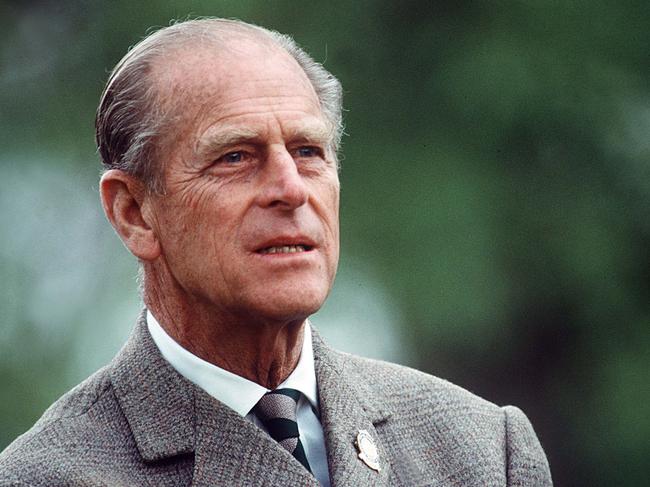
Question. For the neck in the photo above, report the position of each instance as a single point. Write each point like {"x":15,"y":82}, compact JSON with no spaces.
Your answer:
{"x":264,"y":351}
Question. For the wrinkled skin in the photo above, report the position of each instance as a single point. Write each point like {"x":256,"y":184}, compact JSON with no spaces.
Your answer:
{"x":249,"y":175}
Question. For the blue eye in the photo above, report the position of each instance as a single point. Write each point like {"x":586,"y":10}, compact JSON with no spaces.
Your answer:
{"x":308,"y":152}
{"x":232,"y":157}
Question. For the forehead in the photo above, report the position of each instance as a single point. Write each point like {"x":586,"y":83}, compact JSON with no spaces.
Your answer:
{"x":241,"y":78}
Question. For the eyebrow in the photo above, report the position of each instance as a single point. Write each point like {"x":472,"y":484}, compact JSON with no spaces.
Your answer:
{"x":220,"y":139}
{"x":317,"y":133}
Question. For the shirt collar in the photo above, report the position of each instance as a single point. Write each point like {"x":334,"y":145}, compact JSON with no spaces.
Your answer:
{"x":234,"y":391}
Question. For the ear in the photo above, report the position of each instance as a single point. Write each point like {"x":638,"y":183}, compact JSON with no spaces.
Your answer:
{"x":123,"y":197}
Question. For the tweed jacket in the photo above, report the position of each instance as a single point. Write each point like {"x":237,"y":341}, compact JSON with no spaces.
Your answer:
{"x":138,"y":422}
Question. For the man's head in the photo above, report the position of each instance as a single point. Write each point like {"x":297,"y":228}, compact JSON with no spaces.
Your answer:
{"x":220,"y":141}
{"x":133,"y":114}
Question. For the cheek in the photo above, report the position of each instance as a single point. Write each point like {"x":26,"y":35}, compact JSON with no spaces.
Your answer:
{"x":331,"y":212}
{"x":191,"y":220}
{"x":333,"y":209}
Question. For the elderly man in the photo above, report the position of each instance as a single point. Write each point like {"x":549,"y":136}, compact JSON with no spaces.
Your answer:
{"x":220,"y":139}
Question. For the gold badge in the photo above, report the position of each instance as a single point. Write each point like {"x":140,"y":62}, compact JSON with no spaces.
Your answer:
{"x":367,"y":450}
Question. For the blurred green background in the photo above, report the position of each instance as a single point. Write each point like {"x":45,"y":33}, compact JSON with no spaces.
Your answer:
{"x":495,"y":203}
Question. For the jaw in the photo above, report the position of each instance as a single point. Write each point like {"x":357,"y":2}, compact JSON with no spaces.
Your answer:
{"x":291,"y":282}
{"x":286,"y":296}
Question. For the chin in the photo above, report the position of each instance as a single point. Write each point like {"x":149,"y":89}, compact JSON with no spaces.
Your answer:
{"x":291,"y":304}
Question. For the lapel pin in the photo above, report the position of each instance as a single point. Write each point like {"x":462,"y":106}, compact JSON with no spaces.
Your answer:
{"x":368,"y":452}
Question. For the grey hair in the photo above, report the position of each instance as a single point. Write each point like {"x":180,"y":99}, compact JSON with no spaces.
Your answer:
{"x":131,"y":119}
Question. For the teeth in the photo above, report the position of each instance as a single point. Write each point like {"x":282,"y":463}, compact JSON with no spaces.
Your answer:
{"x":285,"y":249}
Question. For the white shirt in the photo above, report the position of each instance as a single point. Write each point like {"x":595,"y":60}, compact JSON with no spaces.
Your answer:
{"x":242,"y":395}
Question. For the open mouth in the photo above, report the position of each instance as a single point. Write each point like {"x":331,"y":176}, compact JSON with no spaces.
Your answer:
{"x":285,"y":249}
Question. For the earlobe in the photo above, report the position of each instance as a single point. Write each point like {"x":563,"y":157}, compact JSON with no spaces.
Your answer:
{"x":122,"y":198}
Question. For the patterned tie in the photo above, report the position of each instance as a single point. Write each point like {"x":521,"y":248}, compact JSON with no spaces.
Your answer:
{"x":277,"y":411}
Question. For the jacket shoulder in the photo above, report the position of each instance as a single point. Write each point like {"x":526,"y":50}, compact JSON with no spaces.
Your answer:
{"x":452,"y":434}
{"x":83,"y":422}
{"x":527,"y":463}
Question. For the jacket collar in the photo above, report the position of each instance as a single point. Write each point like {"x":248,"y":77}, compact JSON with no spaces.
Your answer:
{"x":157,"y":401}
{"x":170,"y":416}
{"x":348,"y":405}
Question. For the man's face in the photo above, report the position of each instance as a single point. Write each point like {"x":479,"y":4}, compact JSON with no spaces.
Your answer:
{"x":248,"y":223}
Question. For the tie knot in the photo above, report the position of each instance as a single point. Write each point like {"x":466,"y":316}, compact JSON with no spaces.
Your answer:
{"x":280,"y":403}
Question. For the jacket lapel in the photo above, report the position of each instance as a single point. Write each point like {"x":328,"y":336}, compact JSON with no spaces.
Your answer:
{"x":347,"y":406}
{"x":157,"y":401}
{"x":170,"y":416}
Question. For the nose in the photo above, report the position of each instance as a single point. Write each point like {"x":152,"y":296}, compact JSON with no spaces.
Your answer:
{"x":282,"y":185}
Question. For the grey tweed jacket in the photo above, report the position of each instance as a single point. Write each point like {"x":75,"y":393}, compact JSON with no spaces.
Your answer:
{"x":137,"y":422}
